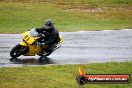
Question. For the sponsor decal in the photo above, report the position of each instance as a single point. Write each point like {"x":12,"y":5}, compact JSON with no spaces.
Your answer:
{"x":83,"y":78}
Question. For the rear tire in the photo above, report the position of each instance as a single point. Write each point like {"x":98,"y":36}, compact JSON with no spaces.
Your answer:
{"x":16,"y":51}
{"x":45,"y":54}
{"x":48,"y":53}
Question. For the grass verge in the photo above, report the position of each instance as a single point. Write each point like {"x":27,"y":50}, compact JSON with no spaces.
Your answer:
{"x":17,"y":16}
{"x":60,"y":76}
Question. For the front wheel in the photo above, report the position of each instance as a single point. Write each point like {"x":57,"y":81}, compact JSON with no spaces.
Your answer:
{"x":16,"y":51}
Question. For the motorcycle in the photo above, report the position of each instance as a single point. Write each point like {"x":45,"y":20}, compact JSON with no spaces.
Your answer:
{"x":29,"y":45}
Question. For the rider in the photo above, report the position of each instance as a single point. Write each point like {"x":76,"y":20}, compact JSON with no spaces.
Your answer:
{"x":49,"y":36}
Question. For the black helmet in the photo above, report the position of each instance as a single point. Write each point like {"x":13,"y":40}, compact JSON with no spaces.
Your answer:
{"x":48,"y":24}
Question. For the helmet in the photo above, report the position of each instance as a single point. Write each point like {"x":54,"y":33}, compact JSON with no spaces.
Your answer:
{"x":48,"y":24}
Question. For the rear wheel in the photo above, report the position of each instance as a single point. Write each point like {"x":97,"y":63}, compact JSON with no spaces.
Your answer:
{"x":44,"y":54}
{"x":17,"y":51}
{"x":47,"y":53}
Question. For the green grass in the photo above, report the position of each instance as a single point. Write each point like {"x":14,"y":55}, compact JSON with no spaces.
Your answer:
{"x":60,"y":76}
{"x":20,"y":15}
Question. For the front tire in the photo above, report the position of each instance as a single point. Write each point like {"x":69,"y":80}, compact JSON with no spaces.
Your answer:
{"x":16,"y":51}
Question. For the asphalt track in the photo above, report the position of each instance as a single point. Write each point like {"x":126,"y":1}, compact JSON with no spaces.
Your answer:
{"x":77,"y":48}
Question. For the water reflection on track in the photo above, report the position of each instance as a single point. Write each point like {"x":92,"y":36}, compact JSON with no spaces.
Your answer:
{"x":32,"y":61}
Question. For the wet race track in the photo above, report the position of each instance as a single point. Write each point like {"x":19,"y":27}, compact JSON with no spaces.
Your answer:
{"x":77,"y":48}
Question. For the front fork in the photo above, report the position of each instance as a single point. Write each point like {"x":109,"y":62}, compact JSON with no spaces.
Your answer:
{"x":25,"y":47}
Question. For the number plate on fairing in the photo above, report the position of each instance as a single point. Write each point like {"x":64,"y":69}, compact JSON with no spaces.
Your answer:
{"x":28,"y":38}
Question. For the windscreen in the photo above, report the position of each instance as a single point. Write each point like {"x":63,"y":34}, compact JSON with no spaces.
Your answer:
{"x":34,"y":33}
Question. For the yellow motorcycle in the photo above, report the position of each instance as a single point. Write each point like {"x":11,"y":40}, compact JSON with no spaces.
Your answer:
{"x":29,"y":46}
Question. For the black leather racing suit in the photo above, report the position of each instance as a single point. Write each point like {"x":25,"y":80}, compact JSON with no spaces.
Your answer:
{"x":51,"y":37}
